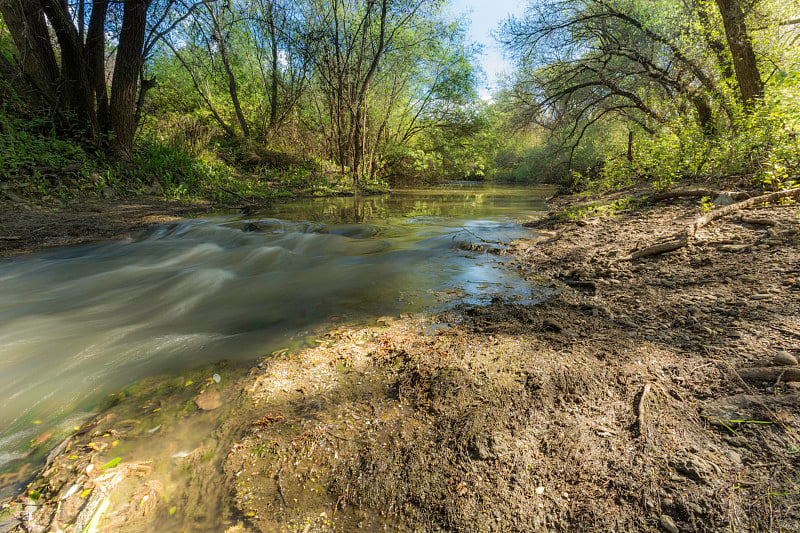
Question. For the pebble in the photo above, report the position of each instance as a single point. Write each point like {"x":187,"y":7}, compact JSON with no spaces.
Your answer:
{"x":216,"y":378}
{"x":734,"y":248}
{"x":785,"y":358}
{"x":208,"y":401}
{"x":539,"y":490}
{"x":668,"y":524}
{"x":550,"y":324}
{"x":734,"y":457}
{"x":695,"y":508}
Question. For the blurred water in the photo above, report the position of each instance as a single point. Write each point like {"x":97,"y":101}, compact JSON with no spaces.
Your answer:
{"x":79,"y":323}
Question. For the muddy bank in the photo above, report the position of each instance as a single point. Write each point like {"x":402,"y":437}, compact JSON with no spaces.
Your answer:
{"x":618,"y":404}
{"x":25,"y":228}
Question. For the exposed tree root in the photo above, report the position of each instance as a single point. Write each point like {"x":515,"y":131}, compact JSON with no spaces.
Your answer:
{"x":686,"y":237}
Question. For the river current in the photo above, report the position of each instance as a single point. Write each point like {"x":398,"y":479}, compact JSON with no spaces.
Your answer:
{"x":79,"y":323}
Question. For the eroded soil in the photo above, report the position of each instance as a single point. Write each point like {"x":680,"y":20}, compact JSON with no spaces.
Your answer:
{"x":617,"y":405}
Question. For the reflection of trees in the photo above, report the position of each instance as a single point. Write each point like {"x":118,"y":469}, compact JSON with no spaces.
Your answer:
{"x":356,"y":210}
{"x":434,"y":203}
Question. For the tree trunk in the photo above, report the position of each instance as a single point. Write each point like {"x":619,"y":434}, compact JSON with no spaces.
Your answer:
{"x":232,"y":86}
{"x":94,"y":53}
{"x":745,"y":66}
{"x":273,"y":100}
{"x":35,"y":56}
{"x":358,"y":147}
{"x":125,"y":83}
{"x":228,"y":130}
{"x":705,"y":116}
{"x":73,"y":68}
{"x":361,"y":98}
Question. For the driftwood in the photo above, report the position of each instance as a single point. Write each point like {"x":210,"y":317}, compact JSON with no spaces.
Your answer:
{"x":687,"y":236}
{"x":771,"y":373}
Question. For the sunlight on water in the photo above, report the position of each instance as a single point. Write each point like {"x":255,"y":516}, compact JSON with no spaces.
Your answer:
{"x":77,"y":324}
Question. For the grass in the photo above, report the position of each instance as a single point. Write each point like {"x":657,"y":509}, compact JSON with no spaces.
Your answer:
{"x":40,"y":166}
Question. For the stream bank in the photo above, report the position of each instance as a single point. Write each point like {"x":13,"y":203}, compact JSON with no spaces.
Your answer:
{"x":28,"y":228}
{"x":614,"y":405}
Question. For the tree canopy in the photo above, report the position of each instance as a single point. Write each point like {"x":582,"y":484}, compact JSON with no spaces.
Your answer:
{"x":608,"y":90}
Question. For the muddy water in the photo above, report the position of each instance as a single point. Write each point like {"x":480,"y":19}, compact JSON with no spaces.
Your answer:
{"x":78,"y":324}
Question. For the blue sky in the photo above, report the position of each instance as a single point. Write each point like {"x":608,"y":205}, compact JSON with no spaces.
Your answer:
{"x":486,"y":15}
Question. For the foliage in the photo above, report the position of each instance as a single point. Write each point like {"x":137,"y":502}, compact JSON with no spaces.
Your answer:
{"x":257,"y":98}
{"x":601,"y":208}
{"x":40,"y":165}
{"x":762,"y":144}
{"x":666,"y":73}
{"x":354,"y":82}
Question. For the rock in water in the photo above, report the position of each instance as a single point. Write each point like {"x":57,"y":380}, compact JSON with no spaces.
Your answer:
{"x":209,"y":400}
{"x":785,"y":359}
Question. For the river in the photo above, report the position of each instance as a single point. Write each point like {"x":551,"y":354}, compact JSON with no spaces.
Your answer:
{"x":79,"y":323}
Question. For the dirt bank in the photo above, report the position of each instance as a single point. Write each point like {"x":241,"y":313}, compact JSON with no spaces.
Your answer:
{"x":616,"y":405}
{"x":25,"y":228}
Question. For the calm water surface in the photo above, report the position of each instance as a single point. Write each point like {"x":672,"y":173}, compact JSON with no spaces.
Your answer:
{"x":79,"y":323}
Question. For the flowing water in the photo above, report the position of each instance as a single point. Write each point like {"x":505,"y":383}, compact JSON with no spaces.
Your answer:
{"x":79,"y":323}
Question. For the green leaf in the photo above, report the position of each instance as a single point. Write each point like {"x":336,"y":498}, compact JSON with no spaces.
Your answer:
{"x":112,"y":463}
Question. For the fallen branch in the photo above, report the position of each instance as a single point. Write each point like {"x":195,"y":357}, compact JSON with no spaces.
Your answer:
{"x":247,"y":202}
{"x":662,"y":248}
{"x":681,"y":193}
{"x":697,"y":193}
{"x":279,"y":486}
{"x":790,"y":373}
{"x":728,"y":209}
{"x":640,"y":409}
{"x":683,"y":239}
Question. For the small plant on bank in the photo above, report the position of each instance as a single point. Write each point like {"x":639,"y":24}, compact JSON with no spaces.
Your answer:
{"x":706,"y":204}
